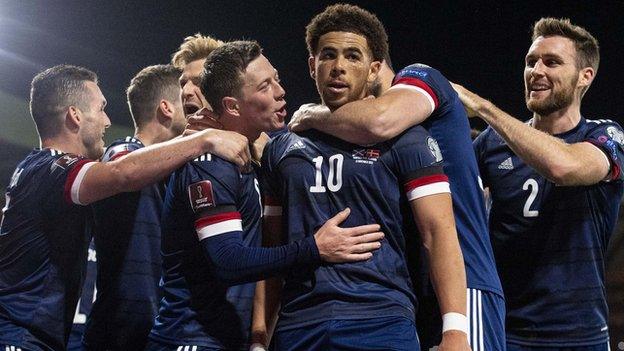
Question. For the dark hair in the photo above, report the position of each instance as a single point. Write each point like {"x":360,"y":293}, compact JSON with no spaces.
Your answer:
{"x":53,"y":91}
{"x":348,"y":18}
{"x":224,"y":69}
{"x":148,"y":87}
{"x":588,"y":51}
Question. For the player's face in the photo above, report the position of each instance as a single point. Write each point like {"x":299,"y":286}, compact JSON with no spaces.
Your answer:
{"x":342,"y":67}
{"x":262,"y":97}
{"x":94,"y":121}
{"x":192,"y":97}
{"x":551,"y":75}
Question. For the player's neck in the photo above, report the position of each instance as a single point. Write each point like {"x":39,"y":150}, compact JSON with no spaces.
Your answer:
{"x":559,"y":121}
{"x":153,"y":133}
{"x":68,"y":144}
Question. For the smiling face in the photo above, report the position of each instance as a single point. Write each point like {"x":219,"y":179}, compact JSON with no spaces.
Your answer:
{"x":342,"y":67}
{"x":192,"y":97}
{"x":551,"y":76}
{"x":94,"y":121}
{"x":261,"y":102}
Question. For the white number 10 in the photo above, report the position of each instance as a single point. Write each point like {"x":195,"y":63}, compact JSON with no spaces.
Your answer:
{"x":334,"y":179}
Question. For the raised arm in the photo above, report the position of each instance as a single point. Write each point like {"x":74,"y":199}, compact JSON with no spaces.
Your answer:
{"x":367,"y":121}
{"x":567,"y":164}
{"x":99,"y":180}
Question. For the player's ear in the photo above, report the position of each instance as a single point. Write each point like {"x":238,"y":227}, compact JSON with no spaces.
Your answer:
{"x":586,"y":76}
{"x":230,"y":105}
{"x":311,"y":64}
{"x":73,"y":117}
{"x":166,"y":109}
{"x":373,"y":71}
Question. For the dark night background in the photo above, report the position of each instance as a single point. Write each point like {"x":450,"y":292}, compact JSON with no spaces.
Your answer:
{"x":480,"y":44}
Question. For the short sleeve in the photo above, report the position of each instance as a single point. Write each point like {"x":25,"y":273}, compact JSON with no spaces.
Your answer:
{"x":419,"y":162}
{"x":609,"y":137}
{"x":427,"y":81}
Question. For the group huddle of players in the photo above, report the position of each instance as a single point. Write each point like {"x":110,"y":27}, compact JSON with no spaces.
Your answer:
{"x":364,"y":227}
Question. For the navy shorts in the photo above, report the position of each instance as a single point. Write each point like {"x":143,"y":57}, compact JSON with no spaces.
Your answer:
{"x":386,"y":333}
{"x":486,"y":319}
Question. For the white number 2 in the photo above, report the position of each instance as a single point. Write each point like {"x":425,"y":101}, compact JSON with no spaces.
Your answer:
{"x":334,"y":179}
{"x":532,"y":183}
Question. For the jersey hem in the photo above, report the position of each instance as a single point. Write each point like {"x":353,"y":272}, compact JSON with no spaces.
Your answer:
{"x":561,"y":343}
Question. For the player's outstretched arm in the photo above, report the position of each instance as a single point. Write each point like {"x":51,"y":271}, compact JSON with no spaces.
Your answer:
{"x":565,"y":164}
{"x":234,"y":263}
{"x":366,"y":121}
{"x":151,"y":164}
{"x":434,"y":216}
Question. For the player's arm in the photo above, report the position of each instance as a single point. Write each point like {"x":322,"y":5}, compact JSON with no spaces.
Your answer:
{"x":434,"y":216}
{"x":98,"y":180}
{"x":268,"y":292}
{"x":220,"y":233}
{"x":565,"y":164}
{"x":367,"y":121}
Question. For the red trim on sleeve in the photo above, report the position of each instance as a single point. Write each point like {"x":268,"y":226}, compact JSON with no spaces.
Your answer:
{"x":217,"y":218}
{"x":71,"y":177}
{"x":415,"y":183}
{"x":418,"y":83}
{"x":119,"y":154}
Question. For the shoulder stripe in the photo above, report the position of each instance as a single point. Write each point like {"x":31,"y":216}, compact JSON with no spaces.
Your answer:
{"x":119,"y":154}
{"x":417,"y":83}
{"x":218,"y":224}
{"x":74,"y":180}
{"x":204,"y":157}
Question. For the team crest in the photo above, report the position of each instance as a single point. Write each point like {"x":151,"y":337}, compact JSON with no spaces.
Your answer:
{"x":201,"y":195}
{"x":434,"y":148}
{"x":616,"y":134}
{"x":367,"y":156}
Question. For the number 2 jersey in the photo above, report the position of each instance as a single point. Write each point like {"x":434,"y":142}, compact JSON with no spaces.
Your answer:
{"x":311,"y":176}
{"x":550,"y":241}
{"x":44,"y":237}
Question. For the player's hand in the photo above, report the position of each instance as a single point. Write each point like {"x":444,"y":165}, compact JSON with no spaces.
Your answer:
{"x":306,"y":115}
{"x":470,"y":100}
{"x":454,"y":340}
{"x":228,"y":145}
{"x":258,"y":146}
{"x":337,"y":245}
{"x":201,"y":120}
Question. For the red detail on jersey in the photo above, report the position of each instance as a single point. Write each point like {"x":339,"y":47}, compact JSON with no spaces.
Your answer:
{"x":119,"y":154}
{"x":220,"y":217}
{"x":372,"y":153}
{"x":419,"y":83}
{"x":71,"y":177}
{"x":66,"y":160}
{"x":415,"y":183}
{"x":201,"y":195}
{"x":271,"y":201}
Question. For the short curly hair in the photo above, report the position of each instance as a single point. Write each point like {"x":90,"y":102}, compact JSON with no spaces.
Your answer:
{"x":348,"y":18}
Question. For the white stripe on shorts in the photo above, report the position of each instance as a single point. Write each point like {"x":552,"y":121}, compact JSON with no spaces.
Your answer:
{"x":475,"y":319}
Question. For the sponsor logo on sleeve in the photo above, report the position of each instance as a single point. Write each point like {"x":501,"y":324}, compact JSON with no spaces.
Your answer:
{"x":201,"y":195}
{"x":434,"y":148}
{"x":616,"y":134}
{"x":66,"y":161}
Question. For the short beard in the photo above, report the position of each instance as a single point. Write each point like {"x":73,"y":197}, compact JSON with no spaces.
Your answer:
{"x":555,"y":102}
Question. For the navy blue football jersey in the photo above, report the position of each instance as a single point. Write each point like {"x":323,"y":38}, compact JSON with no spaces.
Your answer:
{"x":206,"y":197}
{"x":550,"y":241}
{"x":312,"y":176}
{"x":127,"y":237}
{"x":44,"y":237}
{"x":448,"y":124}
{"x":85,"y":302}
